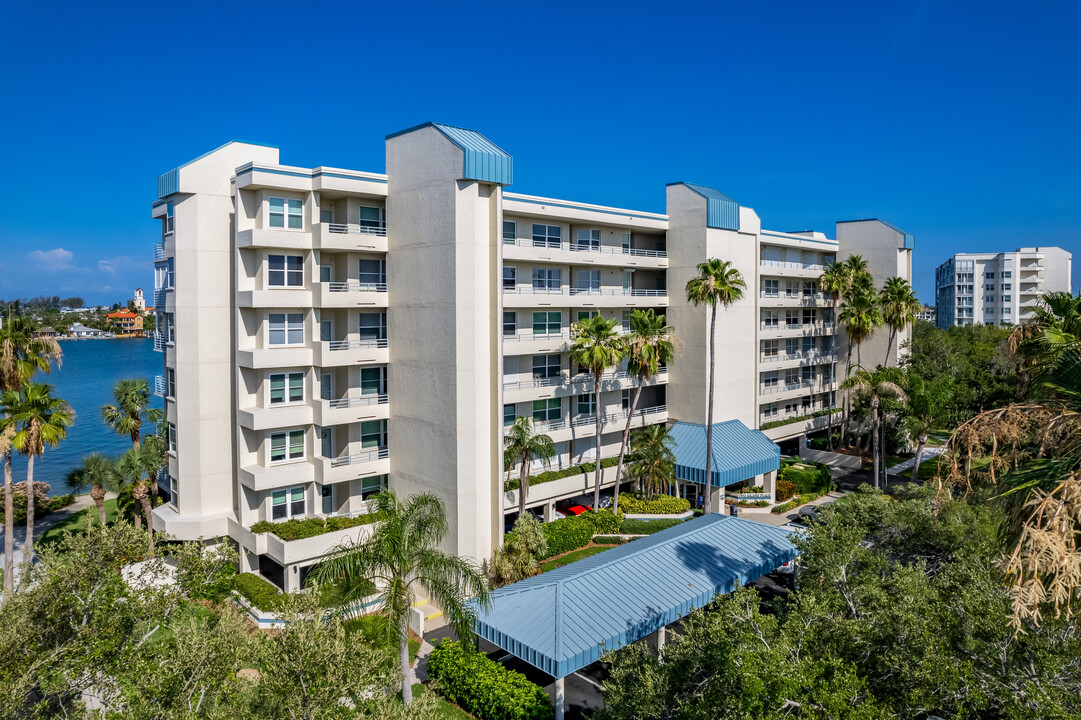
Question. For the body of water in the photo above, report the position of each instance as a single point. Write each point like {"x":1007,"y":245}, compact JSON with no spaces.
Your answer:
{"x":85,"y":380}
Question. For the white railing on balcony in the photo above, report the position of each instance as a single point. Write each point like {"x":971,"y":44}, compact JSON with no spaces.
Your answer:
{"x":529,"y":336}
{"x":355,"y":286}
{"x":357,"y":344}
{"x":587,"y":421}
{"x":796,"y":297}
{"x":822,"y":357}
{"x":797,"y":326}
{"x":364,"y":457}
{"x":585,"y":380}
{"x":351,"y":229}
{"x":617,"y":292}
{"x":159,"y":297}
{"x":159,"y":385}
{"x":791,"y":265}
{"x":159,"y":341}
{"x":584,"y":247}
{"x":359,"y":401}
{"x":159,"y":250}
{"x":781,"y":387}
{"x":802,"y":412}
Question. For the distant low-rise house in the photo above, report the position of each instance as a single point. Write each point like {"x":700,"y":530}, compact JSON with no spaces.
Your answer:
{"x":126,"y":320}
{"x":46,"y":332}
{"x":82,"y":331}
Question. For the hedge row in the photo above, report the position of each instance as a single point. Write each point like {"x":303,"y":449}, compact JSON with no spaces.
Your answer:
{"x":801,"y":499}
{"x":575,"y":532}
{"x":647,"y":527}
{"x":310,"y":527}
{"x":609,"y":540}
{"x":745,"y":503}
{"x":660,"y":505}
{"x":801,"y":418}
{"x":550,"y":475}
{"x":42,"y":506}
{"x":257,"y":591}
{"x":816,"y":478}
{"x":484,"y":687}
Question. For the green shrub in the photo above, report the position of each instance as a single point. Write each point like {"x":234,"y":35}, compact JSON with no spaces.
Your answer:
{"x":660,"y":505}
{"x":550,"y":475}
{"x":257,"y":591}
{"x":785,"y":489}
{"x":205,"y":573}
{"x":801,"y":418}
{"x":778,"y":509}
{"x":647,"y":527}
{"x":310,"y":527}
{"x":816,"y":478}
{"x":484,"y":687}
{"x":604,"y":521}
{"x":42,"y":506}
{"x":568,"y":534}
{"x":751,"y":489}
{"x":608,"y":540}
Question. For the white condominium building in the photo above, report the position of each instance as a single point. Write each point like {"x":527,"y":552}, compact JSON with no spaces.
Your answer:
{"x":328,"y":333}
{"x":998,"y":288}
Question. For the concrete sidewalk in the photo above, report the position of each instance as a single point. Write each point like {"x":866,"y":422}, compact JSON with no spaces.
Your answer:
{"x":52,"y":519}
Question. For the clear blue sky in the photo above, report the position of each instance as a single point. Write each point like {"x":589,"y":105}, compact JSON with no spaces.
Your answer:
{"x":957,"y":121}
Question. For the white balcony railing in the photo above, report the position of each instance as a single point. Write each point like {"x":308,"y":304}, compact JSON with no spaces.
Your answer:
{"x":356,"y":286}
{"x":797,"y":326}
{"x":351,"y":229}
{"x":359,"y":401}
{"x":159,"y":341}
{"x":358,"y":344}
{"x":159,"y":385}
{"x":159,"y":297}
{"x":795,"y":297}
{"x":585,"y":380}
{"x":788,"y":387}
{"x":791,"y":265}
{"x":159,"y":250}
{"x":364,"y":457}
{"x":821,"y":357}
{"x":547,"y":426}
{"x":569,"y":291}
{"x":584,"y":247}
{"x":529,"y":336}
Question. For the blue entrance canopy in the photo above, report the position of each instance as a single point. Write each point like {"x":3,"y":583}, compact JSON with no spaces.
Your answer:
{"x":562,"y":620}
{"x":739,"y":453}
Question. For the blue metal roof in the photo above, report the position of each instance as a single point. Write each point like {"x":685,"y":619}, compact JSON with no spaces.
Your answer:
{"x":484,"y":160}
{"x":562,"y":620}
{"x":722,"y":212}
{"x":739,"y":453}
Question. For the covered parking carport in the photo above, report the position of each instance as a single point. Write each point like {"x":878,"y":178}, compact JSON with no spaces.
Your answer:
{"x":739,"y":453}
{"x":566,"y":619}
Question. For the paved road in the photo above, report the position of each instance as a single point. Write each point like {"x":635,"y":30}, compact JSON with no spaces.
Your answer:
{"x":40,"y":526}
{"x":928,"y":453}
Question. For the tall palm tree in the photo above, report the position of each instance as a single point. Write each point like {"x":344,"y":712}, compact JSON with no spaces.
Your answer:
{"x":857,"y":267}
{"x":597,"y":346}
{"x":652,"y":458}
{"x":403,"y":555}
{"x":899,"y":307}
{"x":131,"y":408}
{"x":718,"y":281}
{"x":41,"y":420}
{"x":99,"y":472}
{"x":873,"y":387}
{"x":835,"y":282}
{"x":1051,"y":332}
{"x":133,"y":465}
{"x":523,"y":446}
{"x":21,"y":355}
{"x":651,"y":344}
{"x":860,"y":317}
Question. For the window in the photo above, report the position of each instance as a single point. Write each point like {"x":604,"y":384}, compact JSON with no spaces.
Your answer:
{"x":628,"y":275}
{"x":510,"y":324}
{"x":1007,"y":311}
{"x":510,"y":414}
{"x":286,"y":446}
{"x":587,"y":239}
{"x":769,"y":379}
{"x":586,"y":314}
{"x":326,"y":216}
{"x":810,"y":287}
{"x":790,"y":408}
{"x":1007,"y":274}
{"x":373,"y":434}
{"x":791,"y":318}
{"x":791,"y":346}
{"x":168,"y":486}
{"x":770,"y":348}
{"x":547,"y":410}
{"x":626,"y":321}
{"x":373,"y":380}
{"x":510,"y":277}
{"x":285,"y":504}
{"x":625,"y":399}
{"x":989,"y":310}
{"x":626,"y":243}
{"x":167,"y":327}
{"x":807,"y":374}
{"x":770,"y":288}
{"x":372,"y":485}
{"x":510,"y":232}
{"x":989,"y":276}
{"x":545,"y":367}
{"x":808,"y":316}
{"x":372,"y":326}
{"x":547,"y":279}
{"x":286,"y":329}
{"x":792,"y":377}
{"x":327,"y":494}
{"x":372,"y":274}
{"x":1006,"y":298}
{"x":372,"y":217}
{"x":770,"y":318}
{"x":285,"y":271}
{"x":588,"y":280}
{"x":286,"y":388}
{"x":791,"y":288}
{"x":170,"y":274}
{"x":547,"y":322}
{"x":808,"y":346}
{"x":770,"y":410}
{"x":989,"y":286}
{"x":170,"y":382}
{"x":546,"y":235}
{"x":586,"y":404}
{"x":286,"y":213}
{"x":1007,"y":286}
{"x":172,"y":438}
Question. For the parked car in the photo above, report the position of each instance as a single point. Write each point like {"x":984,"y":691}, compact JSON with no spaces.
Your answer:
{"x":575,"y":509}
{"x":808,"y":514}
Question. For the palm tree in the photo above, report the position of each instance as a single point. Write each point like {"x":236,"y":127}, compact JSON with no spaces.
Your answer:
{"x":21,"y":355}
{"x":925,"y":402}
{"x":873,"y":387}
{"x":650,"y":345}
{"x":899,"y":307}
{"x":522,"y":445}
{"x":131,"y":408}
{"x":133,"y":465}
{"x":41,"y":421}
{"x":403,"y":555}
{"x":598,"y":347}
{"x":717,"y":282}
{"x":652,"y":458}
{"x":1053,"y":331}
{"x":835,"y":281}
{"x":99,"y":472}
{"x":860,"y":317}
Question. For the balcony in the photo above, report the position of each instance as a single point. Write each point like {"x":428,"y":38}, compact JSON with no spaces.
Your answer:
{"x":159,"y":251}
{"x":350,"y":294}
{"x":804,"y":387}
{"x":563,"y":386}
{"x":342,"y":236}
{"x":270,"y":477}
{"x":274,"y":298}
{"x":585,"y":425}
{"x":799,"y":358}
{"x":159,"y":385}
{"x":351,"y":351}
{"x":780,"y":299}
{"x":795,"y":329}
{"x":275,"y":357}
{"x":345,"y":410}
{"x":790,"y":269}
{"x":527,"y":296}
{"x":159,"y":341}
{"x":350,"y":467}
{"x":276,"y":416}
{"x":161,"y":295}
{"x":530,"y":344}
{"x":274,"y":239}
{"x":572,"y":253}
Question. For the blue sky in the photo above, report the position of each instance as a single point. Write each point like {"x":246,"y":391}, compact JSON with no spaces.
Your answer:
{"x":957,"y":121}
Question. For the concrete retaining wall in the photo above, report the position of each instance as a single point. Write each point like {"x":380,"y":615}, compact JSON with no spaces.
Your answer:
{"x":832,"y":459}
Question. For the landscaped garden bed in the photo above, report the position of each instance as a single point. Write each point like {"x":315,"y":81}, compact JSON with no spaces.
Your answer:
{"x":311,"y":527}
{"x":550,"y":475}
{"x":633,"y":504}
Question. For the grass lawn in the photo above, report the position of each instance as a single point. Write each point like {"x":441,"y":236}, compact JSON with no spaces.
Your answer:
{"x":369,"y":627}
{"x":77,"y":521}
{"x":445,"y":708}
{"x":572,"y":556}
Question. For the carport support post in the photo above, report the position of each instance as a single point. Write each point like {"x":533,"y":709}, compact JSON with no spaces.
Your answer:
{"x":559,"y":698}
{"x":716,"y":499}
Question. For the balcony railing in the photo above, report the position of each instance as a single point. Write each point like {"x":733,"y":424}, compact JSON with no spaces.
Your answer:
{"x":159,"y":385}
{"x":351,"y":229}
{"x":356,"y":286}
{"x":791,"y":265}
{"x":359,"y":401}
{"x":821,"y":386}
{"x":589,"y":420}
{"x":563,"y":380}
{"x":798,"y":326}
{"x":159,"y":250}
{"x":796,"y":297}
{"x":823,"y":357}
{"x":529,"y":336}
{"x":159,"y":341}
{"x":159,"y":297}
{"x":616,"y":292}
{"x":584,"y":247}
{"x":358,"y":344}
{"x":364,"y":457}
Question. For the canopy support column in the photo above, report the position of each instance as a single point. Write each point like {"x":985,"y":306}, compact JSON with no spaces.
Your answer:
{"x":559,"y":698}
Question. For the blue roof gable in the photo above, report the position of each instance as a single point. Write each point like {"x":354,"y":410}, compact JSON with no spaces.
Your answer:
{"x":722,"y":212}
{"x":738,"y":452}
{"x":484,"y":160}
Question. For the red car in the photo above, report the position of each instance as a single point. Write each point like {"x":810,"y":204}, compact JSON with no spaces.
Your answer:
{"x":575,"y":510}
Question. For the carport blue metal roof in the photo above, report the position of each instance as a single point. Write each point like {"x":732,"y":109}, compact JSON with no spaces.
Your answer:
{"x":739,"y":453}
{"x":562,"y":620}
